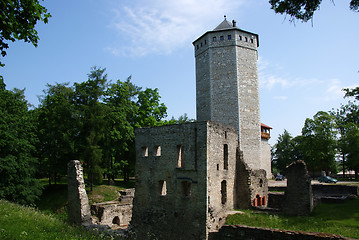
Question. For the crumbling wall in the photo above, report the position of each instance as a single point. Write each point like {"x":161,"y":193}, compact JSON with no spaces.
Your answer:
{"x":184,"y":179}
{"x":251,"y":186}
{"x":298,"y":194}
{"x":78,"y":206}
{"x":170,"y":198}
{"x":115,"y":213}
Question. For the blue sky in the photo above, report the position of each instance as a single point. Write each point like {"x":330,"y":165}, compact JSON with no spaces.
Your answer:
{"x":302,"y":67}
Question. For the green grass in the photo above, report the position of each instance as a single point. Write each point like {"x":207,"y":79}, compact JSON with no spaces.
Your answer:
{"x":20,"y":222}
{"x":335,"y":218}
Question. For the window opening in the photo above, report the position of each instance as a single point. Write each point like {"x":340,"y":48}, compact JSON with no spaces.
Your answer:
{"x":186,"y":188}
{"x":240,"y":38}
{"x":116,"y":220}
{"x":205,"y":41}
{"x":162,"y":188}
{"x":229,"y":37}
{"x":214,"y":39}
{"x":144,"y":151}
{"x":246,"y":39}
{"x":224,"y":191}
{"x":221,"y":38}
{"x":157,"y":151}
{"x":225,"y":156}
{"x":251,"y":40}
{"x":180,"y":156}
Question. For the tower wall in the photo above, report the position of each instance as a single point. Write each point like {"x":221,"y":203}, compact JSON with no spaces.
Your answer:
{"x":227,"y":86}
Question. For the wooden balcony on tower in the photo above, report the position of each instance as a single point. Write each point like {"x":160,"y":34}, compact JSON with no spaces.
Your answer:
{"x":265,"y":131}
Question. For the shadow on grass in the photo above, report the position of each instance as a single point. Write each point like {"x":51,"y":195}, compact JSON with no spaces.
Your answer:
{"x":335,"y":218}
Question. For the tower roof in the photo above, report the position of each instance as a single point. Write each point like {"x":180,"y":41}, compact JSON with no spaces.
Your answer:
{"x":223,"y":25}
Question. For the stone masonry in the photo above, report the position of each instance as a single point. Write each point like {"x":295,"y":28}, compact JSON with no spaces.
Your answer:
{"x":227,"y":84}
{"x":78,"y":206}
{"x":298,"y":194}
{"x":185,"y":180}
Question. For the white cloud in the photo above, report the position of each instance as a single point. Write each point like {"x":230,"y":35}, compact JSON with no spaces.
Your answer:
{"x":160,"y":27}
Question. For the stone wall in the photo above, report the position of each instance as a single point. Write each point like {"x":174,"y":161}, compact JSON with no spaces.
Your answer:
{"x":184,"y":179}
{"x":240,"y":232}
{"x":252,"y":186}
{"x":298,"y":194}
{"x":78,"y":206}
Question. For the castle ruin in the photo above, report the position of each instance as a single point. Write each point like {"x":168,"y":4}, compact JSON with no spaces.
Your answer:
{"x":188,"y":176}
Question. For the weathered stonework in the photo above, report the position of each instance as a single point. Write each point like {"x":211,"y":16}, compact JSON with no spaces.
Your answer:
{"x":115,"y":214}
{"x":78,"y":206}
{"x":252,"y":186}
{"x":185,"y":179}
{"x":227,"y":85}
{"x":298,"y":194}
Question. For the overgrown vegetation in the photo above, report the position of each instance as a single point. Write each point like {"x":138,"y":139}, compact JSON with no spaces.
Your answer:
{"x":332,"y":218}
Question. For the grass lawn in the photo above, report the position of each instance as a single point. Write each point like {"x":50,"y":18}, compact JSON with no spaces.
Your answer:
{"x":336,"y":218}
{"x":20,"y":222}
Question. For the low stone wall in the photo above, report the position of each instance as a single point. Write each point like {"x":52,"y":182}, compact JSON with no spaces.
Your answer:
{"x":239,"y":232}
{"x":276,"y":200}
{"x":112,"y":214}
{"x":334,"y":190}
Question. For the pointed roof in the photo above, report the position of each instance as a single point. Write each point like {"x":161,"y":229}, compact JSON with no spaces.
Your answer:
{"x":223,"y":25}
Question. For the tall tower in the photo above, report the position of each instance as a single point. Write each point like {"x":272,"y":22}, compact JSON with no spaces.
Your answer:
{"x":227,"y":84}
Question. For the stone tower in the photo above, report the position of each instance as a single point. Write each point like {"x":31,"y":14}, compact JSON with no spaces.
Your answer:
{"x":227,"y":84}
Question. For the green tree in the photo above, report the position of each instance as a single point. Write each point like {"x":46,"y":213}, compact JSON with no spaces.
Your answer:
{"x":150,"y":110}
{"x":122,"y":108}
{"x":17,"y":22}
{"x":303,"y":9}
{"x":17,"y":161}
{"x":318,"y":145}
{"x":91,"y":122}
{"x":283,"y":152}
{"x":352,"y":138}
{"x":56,"y":130}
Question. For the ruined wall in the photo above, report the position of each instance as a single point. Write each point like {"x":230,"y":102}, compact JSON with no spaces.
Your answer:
{"x":222,"y":145}
{"x":298,"y":194}
{"x":184,"y":180}
{"x":78,"y":206}
{"x":170,"y":197}
{"x":252,"y":186}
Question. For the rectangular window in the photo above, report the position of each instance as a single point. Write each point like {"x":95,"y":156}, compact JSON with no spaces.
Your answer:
{"x":224,"y":192}
{"x":157,"y":151}
{"x":180,"y":156}
{"x":144,"y":151}
{"x":162,"y":187}
{"x":251,"y":40}
{"x":205,"y":41}
{"x":214,"y":39}
{"x":225,"y":156}
{"x":229,"y":37}
{"x":221,"y":38}
{"x":246,"y":39}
